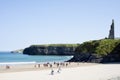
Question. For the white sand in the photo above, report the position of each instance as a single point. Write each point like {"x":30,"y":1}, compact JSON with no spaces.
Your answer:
{"x":95,"y":72}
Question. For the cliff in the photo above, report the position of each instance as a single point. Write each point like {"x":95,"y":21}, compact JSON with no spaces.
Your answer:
{"x":98,"y":51}
{"x":51,"y":49}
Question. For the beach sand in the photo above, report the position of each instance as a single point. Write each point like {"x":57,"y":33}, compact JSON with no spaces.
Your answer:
{"x":31,"y":67}
{"x":81,"y":71}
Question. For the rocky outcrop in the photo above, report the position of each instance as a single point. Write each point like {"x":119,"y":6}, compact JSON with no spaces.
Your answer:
{"x":113,"y":56}
{"x":86,"y":57}
{"x":49,"y":50}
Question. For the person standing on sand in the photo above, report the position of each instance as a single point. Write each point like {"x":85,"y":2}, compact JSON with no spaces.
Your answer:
{"x":50,"y":65}
{"x":38,"y":65}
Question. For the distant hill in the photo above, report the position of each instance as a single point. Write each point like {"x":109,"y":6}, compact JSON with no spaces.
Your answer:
{"x":17,"y":51}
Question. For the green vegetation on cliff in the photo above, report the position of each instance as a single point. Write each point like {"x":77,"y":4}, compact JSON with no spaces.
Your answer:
{"x":99,"y":47}
{"x":57,"y":45}
{"x":98,"y":51}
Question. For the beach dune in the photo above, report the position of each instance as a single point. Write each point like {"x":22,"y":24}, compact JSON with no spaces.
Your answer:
{"x":94,"y":72}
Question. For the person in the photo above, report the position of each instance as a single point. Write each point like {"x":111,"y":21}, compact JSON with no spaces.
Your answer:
{"x":52,"y":72}
{"x":59,"y":69}
{"x":7,"y":67}
{"x":58,"y":64}
{"x":39,"y":65}
{"x":50,"y":65}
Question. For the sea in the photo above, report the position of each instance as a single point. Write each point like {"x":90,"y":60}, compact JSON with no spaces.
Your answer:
{"x":19,"y":58}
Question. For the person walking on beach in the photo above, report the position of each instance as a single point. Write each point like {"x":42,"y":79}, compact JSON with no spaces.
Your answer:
{"x":52,"y":72}
{"x":59,"y":69}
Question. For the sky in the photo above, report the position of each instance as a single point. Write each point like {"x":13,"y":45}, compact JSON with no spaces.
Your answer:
{"x":27,"y":22}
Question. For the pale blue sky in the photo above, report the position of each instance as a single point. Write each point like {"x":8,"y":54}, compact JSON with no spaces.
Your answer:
{"x":27,"y":22}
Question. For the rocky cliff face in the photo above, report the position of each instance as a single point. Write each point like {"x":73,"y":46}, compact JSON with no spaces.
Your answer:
{"x":86,"y":57}
{"x":49,"y":50}
{"x":113,"y":56}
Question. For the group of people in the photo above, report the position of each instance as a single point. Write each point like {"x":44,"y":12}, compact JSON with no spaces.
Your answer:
{"x":58,"y":71}
{"x":59,"y":65}
{"x":51,"y":65}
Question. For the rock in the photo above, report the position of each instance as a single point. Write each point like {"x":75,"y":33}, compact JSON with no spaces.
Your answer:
{"x":86,"y":57}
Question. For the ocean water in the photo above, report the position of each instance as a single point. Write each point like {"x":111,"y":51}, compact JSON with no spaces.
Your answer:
{"x":7,"y":57}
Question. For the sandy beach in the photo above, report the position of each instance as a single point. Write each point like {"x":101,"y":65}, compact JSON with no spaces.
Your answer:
{"x":31,"y":67}
{"x":75,"y":71}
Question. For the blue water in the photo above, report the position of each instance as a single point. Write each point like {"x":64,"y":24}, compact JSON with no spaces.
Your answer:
{"x":17,"y":57}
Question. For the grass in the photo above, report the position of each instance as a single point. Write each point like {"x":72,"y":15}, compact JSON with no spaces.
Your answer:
{"x":57,"y":45}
